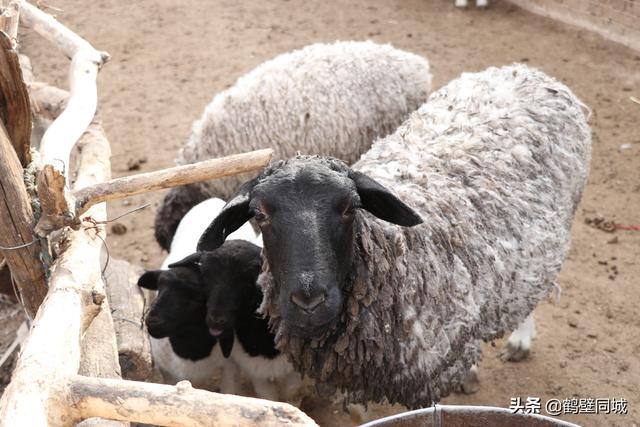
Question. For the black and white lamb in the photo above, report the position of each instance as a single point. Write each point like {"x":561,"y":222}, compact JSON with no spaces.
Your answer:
{"x":384,"y":300}
{"x":181,"y":343}
{"x":234,"y":298}
{"x":333,"y":99}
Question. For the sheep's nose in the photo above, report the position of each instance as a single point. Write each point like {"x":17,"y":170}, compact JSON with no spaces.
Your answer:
{"x":216,"y":321}
{"x":307,"y":302}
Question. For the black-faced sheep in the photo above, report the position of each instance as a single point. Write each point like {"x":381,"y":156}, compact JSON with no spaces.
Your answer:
{"x":331,"y":99}
{"x":388,"y":295}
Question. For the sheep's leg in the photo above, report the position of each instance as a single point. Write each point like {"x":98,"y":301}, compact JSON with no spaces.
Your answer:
{"x":230,"y":381}
{"x":519,"y":343}
{"x":461,"y":3}
{"x":471,"y":383}
{"x":482,"y":3}
{"x":265,"y":389}
{"x":291,"y":388}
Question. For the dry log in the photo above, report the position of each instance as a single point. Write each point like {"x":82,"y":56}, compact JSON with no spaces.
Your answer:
{"x":51,"y":352}
{"x":65,"y":131}
{"x":179,"y":405}
{"x":98,"y":348}
{"x":99,"y":354}
{"x":15,"y":110}
{"x":127,"y":308}
{"x":75,"y":306}
{"x":171,"y":177}
{"x":16,"y":222}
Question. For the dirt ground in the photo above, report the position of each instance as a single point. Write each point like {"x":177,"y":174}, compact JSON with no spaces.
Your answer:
{"x":169,"y":59}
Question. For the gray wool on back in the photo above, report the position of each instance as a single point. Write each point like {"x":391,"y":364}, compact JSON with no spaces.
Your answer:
{"x":495,"y":162}
{"x":331,"y":99}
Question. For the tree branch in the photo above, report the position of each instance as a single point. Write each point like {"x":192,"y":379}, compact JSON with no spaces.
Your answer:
{"x":179,"y":405}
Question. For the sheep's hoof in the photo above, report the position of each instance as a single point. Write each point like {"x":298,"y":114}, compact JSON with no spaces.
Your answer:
{"x":357,"y":413}
{"x":514,"y":352}
{"x":471,"y":383}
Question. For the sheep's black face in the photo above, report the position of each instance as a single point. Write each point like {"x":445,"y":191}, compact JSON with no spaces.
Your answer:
{"x":305,"y":208}
{"x":231,"y":272}
{"x":307,"y":224}
{"x":180,"y":303}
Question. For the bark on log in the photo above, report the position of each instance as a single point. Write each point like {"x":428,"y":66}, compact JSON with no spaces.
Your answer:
{"x":16,"y":228}
{"x":15,"y":110}
{"x":54,"y":202}
{"x":171,"y":177}
{"x":179,"y":405}
{"x":127,"y":308}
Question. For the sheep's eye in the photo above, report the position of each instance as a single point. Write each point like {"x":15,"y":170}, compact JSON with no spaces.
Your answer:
{"x":349,"y":211}
{"x":259,"y":216}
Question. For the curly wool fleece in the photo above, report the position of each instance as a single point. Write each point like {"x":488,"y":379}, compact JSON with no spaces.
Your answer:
{"x":331,"y":99}
{"x":495,"y":162}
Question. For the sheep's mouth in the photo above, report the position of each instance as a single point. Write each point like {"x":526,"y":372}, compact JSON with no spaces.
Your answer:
{"x":308,"y":330}
{"x":216,"y":332}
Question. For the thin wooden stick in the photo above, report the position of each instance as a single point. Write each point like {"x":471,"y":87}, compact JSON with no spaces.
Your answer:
{"x":179,"y":405}
{"x":171,"y":177}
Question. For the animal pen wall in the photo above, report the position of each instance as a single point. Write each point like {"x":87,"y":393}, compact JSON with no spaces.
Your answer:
{"x":618,"y":20}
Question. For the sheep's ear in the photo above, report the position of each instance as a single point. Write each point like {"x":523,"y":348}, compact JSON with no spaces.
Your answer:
{"x":190,"y":261}
{"x":383,"y":203}
{"x":149,"y":280}
{"x":231,"y":217}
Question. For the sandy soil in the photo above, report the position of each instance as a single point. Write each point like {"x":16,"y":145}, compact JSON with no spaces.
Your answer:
{"x":170,"y":58}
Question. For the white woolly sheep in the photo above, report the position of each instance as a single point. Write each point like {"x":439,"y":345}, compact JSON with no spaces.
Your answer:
{"x":331,"y":99}
{"x":371,"y":296}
